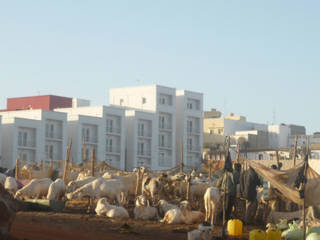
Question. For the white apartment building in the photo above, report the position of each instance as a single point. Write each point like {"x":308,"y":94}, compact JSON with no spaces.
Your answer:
{"x":189,"y":127}
{"x":87,"y":134}
{"x":111,"y":132}
{"x":278,"y":136}
{"x":141,"y":141}
{"x":46,"y":137}
{"x":162,"y":102}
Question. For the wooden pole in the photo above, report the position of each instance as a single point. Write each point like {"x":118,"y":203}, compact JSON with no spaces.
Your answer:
{"x":51,"y":164}
{"x":188,"y":188}
{"x":92,"y":161}
{"x":238,"y":152}
{"x":304,"y":189}
{"x":225,"y":195}
{"x":138,"y":182}
{"x":17,"y":167}
{"x":295,"y":151}
{"x":181,"y":158}
{"x":66,"y":162}
{"x":210,"y":169}
{"x":277,"y":157}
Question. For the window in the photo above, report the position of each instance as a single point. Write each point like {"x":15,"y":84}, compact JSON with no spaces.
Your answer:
{"x":144,"y":100}
{"x":88,"y":134}
{"x":189,"y":126}
{"x":109,"y":145}
{"x":25,"y":137}
{"x":162,"y":159}
{"x":189,"y":143}
{"x":47,"y":129}
{"x":161,"y":121}
{"x":189,"y":105}
{"x":20,"y":139}
{"x":121,"y":102}
{"x":47,"y":151}
{"x":161,"y":140}
{"x":140,"y":129}
{"x":51,"y":152}
{"x":109,"y":125}
{"x":140,"y":148}
{"x":162,"y":100}
{"x":51,"y":130}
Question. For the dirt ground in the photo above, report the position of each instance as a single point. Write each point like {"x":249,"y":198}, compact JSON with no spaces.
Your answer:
{"x":75,"y":224}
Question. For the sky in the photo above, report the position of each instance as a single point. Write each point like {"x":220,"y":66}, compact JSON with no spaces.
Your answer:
{"x":254,"y":58}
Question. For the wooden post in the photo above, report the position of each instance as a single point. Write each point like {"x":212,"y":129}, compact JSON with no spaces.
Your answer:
{"x":92,"y":161}
{"x":295,"y":151}
{"x":66,"y":162}
{"x":277,"y":157}
{"x":41,"y":165}
{"x":181,"y":158}
{"x":17,"y":167}
{"x":238,"y":152}
{"x":225,"y":196}
{"x":304,"y":189}
{"x":138,"y":182}
{"x":51,"y":164}
{"x":188,"y":188}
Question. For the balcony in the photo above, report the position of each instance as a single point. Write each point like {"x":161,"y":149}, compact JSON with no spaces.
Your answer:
{"x":113,"y":130}
{"x":165,"y":146}
{"x":93,"y":140}
{"x":53,"y":135}
{"x":27,"y":144}
{"x":110,"y":149}
{"x":144,"y":153}
{"x":194,"y":131}
{"x":144,"y":134}
{"x":165,"y":127}
{"x":193,"y":148}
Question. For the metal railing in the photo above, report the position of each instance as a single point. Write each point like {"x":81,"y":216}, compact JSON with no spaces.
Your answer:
{"x":53,"y":135}
{"x":113,"y":130}
{"x":144,"y":153}
{"x":112,"y":149}
{"x":27,"y":144}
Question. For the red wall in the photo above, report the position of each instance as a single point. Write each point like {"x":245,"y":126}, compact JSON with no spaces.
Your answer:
{"x":47,"y":102}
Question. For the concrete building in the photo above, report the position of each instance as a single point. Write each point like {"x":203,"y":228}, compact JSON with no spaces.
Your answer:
{"x":278,"y":136}
{"x":45,"y":138}
{"x":162,"y":102}
{"x":189,"y":127}
{"x":254,"y":139}
{"x":112,"y":129}
{"x":141,"y":132}
{"x":213,"y":113}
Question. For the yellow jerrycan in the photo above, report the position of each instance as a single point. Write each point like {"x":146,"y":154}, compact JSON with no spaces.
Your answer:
{"x":273,"y":234}
{"x":234,"y":228}
{"x":257,"y":234}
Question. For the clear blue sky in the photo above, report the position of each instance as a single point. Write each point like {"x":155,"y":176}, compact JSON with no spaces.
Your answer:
{"x":253,"y":58}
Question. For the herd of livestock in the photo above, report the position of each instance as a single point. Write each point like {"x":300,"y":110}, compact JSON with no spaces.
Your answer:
{"x":168,"y":197}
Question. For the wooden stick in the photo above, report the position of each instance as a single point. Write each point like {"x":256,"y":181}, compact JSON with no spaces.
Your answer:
{"x":138,"y":182}
{"x":181,"y":158}
{"x":304,"y":189}
{"x":92,"y":161}
{"x":188,"y":188}
{"x":66,"y":162}
{"x":277,"y":157}
{"x":238,"y":152}
{"x":17,"y":167}
{"x":295,"y":151}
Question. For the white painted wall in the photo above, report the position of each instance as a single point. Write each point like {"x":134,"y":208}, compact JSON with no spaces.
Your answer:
{"x":278,"y":136}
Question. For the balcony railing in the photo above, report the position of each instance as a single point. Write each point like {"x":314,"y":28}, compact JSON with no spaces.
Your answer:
{"x":144,"y":134}
{"x":113,"y":130}
{"x":91,"y":139}
{"x":193,"y":148}
{"x":31,"y":144}
{"x":144,"y":153}
{"x":165,"y":145}
{"x":193,"y":130}
{"x":112,"y":150}
{"x":53,"y":135}
{"x":165,"y":127}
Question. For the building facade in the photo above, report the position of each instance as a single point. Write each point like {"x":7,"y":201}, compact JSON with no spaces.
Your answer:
{"x":111,"y":134}
{"x":189,"y":127}
{"x":161,"y":101}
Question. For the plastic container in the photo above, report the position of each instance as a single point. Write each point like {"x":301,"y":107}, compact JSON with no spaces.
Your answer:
{"x":257,"y":234}
{"x":273,"y":234}
{"x":234,"y":228}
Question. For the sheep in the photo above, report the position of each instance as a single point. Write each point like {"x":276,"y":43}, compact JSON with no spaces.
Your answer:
{"x":142,"y":210}
{"x":183,"y":215}
{"x":211,"y":201}
{"x":56,"y":190}
{"x":36,"y":188}
{"x":164,"y":207}
{"x":74,"y":185}
{"x":103,"y":208}
{"x":11,"y":185}
{"x":99,"y":188}
{"x":2,"y":178}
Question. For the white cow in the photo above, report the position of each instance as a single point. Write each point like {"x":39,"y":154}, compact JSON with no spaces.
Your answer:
{"x":164,"y":207}
{"x":11,"y":185}
{"x":142,"y":210}
{"x":74,"y":185}
{"x":99,"y":188}
{"x":105,"y":209}
{"x":183,"y":215}
{"x":36,"y":188}
{"x":56,"y":190}
{"x":211,"y":202}
{"x":2,"y":178}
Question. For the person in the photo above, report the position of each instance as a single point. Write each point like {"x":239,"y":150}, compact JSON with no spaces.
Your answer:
{"x":250,"y":181}
{"x":239,"y":205}
{"x":227,"y":186}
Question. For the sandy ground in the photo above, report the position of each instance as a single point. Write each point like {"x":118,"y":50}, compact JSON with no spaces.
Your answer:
{"x":75,"y":224}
